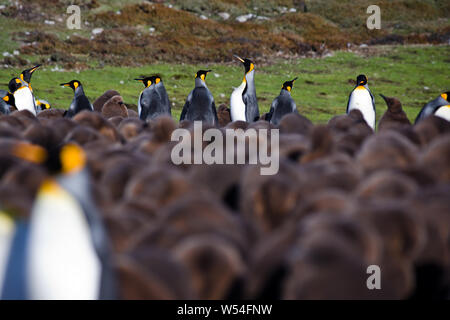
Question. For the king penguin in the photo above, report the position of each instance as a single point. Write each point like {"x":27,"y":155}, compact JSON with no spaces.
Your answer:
{"x":243,"y":102}
{"x":6,"y":100}
{"x":42,"y":105}
{"x":362,"y":99}
{"x":283,"y":104}
{"x":153,"y":100}
{"x":62,"y":250}
{"x":200,"y":105}
{"x":80,"y":102}
{"x":23,"y":96}
{"x":440,"y":107}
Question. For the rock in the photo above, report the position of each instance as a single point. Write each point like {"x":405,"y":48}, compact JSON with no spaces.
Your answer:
{"x":244,"y":18}
{"x":97,"y":31}
{"x":224,"y":15}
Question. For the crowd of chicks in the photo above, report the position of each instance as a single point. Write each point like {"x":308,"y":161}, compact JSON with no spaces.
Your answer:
{"x":345,"y":198}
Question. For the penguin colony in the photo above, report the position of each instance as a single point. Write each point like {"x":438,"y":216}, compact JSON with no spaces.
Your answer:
{"x":91,"y":206}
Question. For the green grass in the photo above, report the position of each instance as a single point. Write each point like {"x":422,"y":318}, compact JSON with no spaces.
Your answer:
{"x":321,"y":91}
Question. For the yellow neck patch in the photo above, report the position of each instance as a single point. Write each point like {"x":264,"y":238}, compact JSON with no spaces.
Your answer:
{"x":289,"y":88}
{"x":252,"y":67}
{"x":6,"y":98}
{"x":444,"y":95}
{"x":203,"y":77}
{"x":360,"y":88}
{"x":158,"y":80}
{"x":75,"y":85}
{"x":72,"y":158}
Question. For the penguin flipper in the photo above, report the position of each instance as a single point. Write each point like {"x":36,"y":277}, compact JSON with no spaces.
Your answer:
{"x":214,"y":110}
{"x":373,"y":100}
{"x":185,"y":110}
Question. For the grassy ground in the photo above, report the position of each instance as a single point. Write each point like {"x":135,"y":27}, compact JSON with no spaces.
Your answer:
{"x":414,"y":74}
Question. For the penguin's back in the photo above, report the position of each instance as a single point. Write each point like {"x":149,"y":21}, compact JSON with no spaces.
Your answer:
{"x":201,"y":106}
{"x":282,"y":106}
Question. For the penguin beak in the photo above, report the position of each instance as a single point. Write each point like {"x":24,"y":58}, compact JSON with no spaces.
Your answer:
{"x":34,"y":68}
{"x":65,"y":84}
{"x":139,"y":79}
{"x":385,"y":98}
{"x":294,"y":79}
{"x":239,"y":58}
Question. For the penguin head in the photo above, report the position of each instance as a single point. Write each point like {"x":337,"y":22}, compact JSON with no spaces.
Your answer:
{"x":148,"y":81}
{"x":201,"y":74}
{"x":9,"y":99}
{"x":361,"y":80}
{"x":446,"y":96}
{"x":26,"y":74}
{"x":248,"y":64}
{"x":288,"y":85}
{"x":394,"y":105}
{"x":14,"y":85}
{"x":44,"y":105}
{"x":74,"y":84}
{"x":65,"y":159}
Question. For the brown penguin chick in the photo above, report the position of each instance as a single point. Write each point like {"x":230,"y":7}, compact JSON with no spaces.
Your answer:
{"x":261,"y":124}
{"x":190,"y":215}
{"x":7,"y":131}
{"x":43,"y":136}
{"x":223,"y":113}
{"x":295,"y":123}
{"x":216,"y":268}
{"x":394,"y":117}
{"x":83,"y":135}
{"x":431,"y":127}
{"x":224,"y":180}
{"x":114,"y":107}
{"x":162,"y":128}
{"x":387,"y":150}
{"x":326,"y":268}
{"x":50,"y":114}
{"x":98,"y":123}
{"x":266,"y":201}
{"x":386,"y":185}
{"x":131,"y":127}
{"x":132,"y":113}
{"x":61,"y":126}
{"x":24,"y":116}
{"x":100,"y":102}
{"x":435,"y":159}
{"x":13,"y":122}
{"x":116,"y":120}
{"x":322,"y":144}
{"x":152,"y":274}
{"x":162,"y":185}
{"x":293,"y":146}
{"x":237,"y":125}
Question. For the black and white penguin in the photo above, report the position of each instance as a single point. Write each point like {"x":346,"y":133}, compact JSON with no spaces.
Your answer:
{"x":80,"y":102}
{"x":62,"y":251}
{"x":153,"y":100}
{"x":23,"y":95}
{"x":439,"y":107}
{"x":362,"y":99}
{"x":283,"y":104}
{"x":243,"y":101}
{"x":200,"y":105}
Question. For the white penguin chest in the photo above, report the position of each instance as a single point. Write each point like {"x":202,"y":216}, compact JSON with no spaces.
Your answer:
{"x":362,"y":100}
{"x":25,"y":100}
{"x":443,"y":112}
{"x":237,"y":104}
{"x":63,"y":263}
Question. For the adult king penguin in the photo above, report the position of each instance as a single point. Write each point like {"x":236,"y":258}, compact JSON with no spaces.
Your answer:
{"x":23,"y":96}
{"x":243,"y":102}
{"x":440,"y":107}
{"x":61,"y":251}
{"x":283,"y":104}
{"x":153,"y":100}
{"x":200,"y":105}
{"x":362,"y":99}
{"x":80,"y":102}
